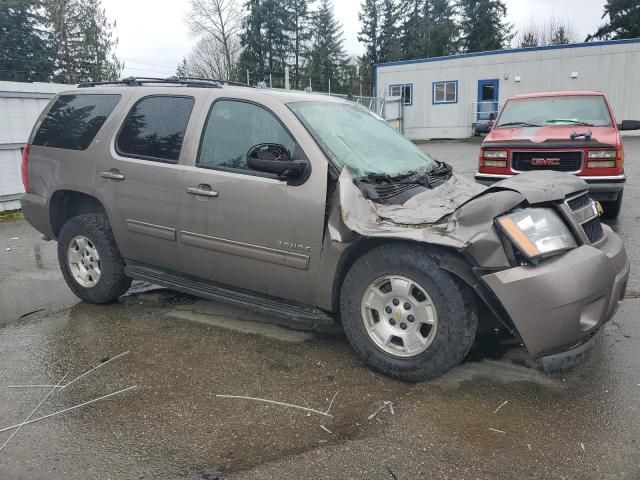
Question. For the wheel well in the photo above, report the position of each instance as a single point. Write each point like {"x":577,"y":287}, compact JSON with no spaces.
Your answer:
{"x":66,"y":204}
{"x":491,"y":312}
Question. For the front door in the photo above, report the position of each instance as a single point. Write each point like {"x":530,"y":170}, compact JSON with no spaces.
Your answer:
{"x":488,"y":91}
{"x":243,"y":228}
{"x":140,"y":179}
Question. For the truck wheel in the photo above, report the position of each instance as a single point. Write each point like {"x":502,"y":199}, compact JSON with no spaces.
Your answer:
{"x":90,"y":261}
{"x":404,"y":315}
{"x":612,"y":209}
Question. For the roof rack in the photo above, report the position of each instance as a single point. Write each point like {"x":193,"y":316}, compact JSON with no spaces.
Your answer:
{"x":140,"y":81}
{"x":216,"y":80}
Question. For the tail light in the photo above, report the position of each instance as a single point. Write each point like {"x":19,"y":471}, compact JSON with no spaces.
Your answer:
{"x":26,"y":151}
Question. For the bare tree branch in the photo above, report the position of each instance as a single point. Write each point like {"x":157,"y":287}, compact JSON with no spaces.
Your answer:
{"x":218,"y":23}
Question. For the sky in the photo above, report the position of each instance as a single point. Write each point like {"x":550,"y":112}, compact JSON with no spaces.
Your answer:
{"x":154,"y":37}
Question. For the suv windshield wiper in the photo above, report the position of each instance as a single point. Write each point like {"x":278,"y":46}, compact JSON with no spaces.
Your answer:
{"x":571,"y":121}
{"x":412,"y":177}
{"x":518,"y":124}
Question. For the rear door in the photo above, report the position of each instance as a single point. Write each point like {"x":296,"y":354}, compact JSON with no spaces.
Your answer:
{"x":244,"y":228}
{"x":139,"y":179}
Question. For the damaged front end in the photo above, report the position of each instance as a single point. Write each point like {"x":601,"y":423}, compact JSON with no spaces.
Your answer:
{"x":531,"y":246}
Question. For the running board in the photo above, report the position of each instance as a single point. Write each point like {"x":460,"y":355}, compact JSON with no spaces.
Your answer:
{"x":298,"y":316}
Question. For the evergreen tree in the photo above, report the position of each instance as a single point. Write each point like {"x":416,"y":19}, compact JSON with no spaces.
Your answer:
{"x":253,"y":55}
{"x":327,"y":57}
{"x":266,"y":40}
{"x":300,"y":34}
{"x":483,"y":25}
{"x":560,"y":37}
{"x":412,"y":28}
{"x":83,"y":41}
{"x":25,"y":54}
{"x":442,"y":31}
{"x":623,"y":20}
{"x":99,"y":62}
{"x":275,"y":35}
{"x":369,"y":35}
{"x":390,"y":46}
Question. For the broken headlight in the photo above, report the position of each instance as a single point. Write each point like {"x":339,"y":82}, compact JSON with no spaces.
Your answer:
{"x":537,"y":232}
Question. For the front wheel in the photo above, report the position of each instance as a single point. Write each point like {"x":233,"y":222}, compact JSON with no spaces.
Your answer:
{"x":90,"y":260}
{"x":404,"y":315}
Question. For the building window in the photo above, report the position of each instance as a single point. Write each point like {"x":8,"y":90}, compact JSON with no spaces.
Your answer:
{"x":445,"y":92}
{"x":405,"y":91}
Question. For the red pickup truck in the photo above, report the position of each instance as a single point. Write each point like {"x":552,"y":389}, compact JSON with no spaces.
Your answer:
{"x":573,"y":132}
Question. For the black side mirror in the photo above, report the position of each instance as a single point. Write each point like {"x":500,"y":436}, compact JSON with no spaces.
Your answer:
{"x":483,"y":128}
{"x":629,"y":125}
{"x":276,"y":159}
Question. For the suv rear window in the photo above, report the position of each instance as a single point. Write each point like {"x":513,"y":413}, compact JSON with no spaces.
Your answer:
{"x":74,"y":120}
{"x":155,"y":127}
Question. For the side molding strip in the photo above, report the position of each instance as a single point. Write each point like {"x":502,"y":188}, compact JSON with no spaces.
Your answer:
{"x":270,"y":255}
{"x":158,"y":231}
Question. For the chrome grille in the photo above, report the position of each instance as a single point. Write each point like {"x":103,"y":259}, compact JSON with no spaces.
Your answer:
{"x":585,"y":213}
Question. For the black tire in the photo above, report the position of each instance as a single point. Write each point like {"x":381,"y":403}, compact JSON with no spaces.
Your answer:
{"x":455,"y":305}
{"x":113,"y":282}
{"x":612,"y":209}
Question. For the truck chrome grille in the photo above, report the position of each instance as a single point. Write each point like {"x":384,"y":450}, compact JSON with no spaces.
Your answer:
{"x":558,"y":161}
{"x":584,"y":212}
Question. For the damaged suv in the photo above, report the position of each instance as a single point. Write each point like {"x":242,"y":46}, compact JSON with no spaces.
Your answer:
{"x":313,"y":208}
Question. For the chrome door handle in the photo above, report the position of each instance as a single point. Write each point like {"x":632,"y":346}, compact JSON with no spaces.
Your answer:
{"x":203,"y":192}
{"x":112,"y":175}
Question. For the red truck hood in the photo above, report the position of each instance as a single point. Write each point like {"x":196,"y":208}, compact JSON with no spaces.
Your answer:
{"x":552,"y":134}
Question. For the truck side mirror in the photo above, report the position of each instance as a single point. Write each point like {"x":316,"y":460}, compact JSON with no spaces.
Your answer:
{"x":629,"y":125}
{"x":276,"y":159}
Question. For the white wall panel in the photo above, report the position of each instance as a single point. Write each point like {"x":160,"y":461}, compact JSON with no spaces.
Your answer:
{"x":20,"y":106}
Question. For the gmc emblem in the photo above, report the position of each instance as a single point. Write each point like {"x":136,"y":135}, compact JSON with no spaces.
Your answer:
{"x":545,"y":162}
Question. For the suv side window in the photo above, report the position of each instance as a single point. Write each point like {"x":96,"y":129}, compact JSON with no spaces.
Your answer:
{"x":155,"y":127}
{"x":74,"y":120}
{"x":232,"y":128}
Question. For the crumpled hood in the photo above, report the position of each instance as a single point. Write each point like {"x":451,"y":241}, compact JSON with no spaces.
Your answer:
{"x":431,"y":205}
{"x":458,"y":213}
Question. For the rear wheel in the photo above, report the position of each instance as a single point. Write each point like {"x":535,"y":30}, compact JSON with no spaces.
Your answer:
{"x":90,"y":261}
{"x":612,"y":209}
{"x":404,"y":315}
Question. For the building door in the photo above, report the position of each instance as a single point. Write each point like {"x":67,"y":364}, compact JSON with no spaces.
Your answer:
{"x":488,"y":91}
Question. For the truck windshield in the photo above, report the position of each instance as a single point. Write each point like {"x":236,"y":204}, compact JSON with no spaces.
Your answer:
{"x":363,"y":142}
{"x":561,"y":110}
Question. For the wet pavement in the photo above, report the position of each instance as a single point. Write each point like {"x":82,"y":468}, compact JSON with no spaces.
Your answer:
{"x":583,"y":423}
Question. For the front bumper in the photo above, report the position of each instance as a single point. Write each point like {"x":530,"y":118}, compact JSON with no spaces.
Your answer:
{"x":561,"y":303}
{"x":600,"y":188}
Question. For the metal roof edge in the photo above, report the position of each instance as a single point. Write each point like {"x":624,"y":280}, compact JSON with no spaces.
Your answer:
{"x":511,"y":50}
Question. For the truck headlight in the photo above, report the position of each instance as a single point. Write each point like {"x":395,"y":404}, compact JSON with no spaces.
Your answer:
{"x":537,"y":232}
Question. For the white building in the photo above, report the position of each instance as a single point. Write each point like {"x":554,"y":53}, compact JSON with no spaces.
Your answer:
{"x":20,"y":106}
{"x":445,"y":96}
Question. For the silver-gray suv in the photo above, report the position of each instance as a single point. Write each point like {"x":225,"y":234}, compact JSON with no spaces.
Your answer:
{"x":312,"y":207}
